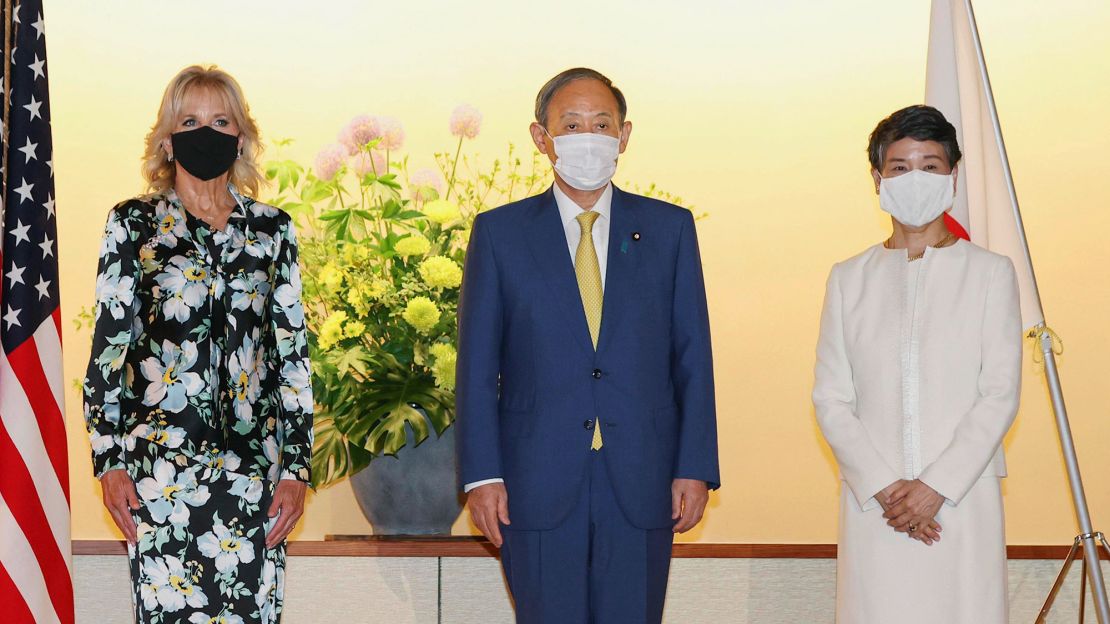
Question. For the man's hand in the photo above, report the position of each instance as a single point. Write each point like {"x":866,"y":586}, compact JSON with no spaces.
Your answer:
{"x":913,"y":503}
{"x":288,"y":506}
{"x":120,"y":498}
{"x":489,"y":509}
{"x":688,"y":499}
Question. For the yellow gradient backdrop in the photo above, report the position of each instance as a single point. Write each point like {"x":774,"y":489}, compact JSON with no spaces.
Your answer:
{"x":757,"y":112}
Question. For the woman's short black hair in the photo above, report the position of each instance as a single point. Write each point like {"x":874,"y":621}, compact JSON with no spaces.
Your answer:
{"x":918,"y":122}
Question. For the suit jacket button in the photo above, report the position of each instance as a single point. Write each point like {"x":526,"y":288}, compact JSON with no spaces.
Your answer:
{"x":588,"y":425}
{"x":597,"y":373}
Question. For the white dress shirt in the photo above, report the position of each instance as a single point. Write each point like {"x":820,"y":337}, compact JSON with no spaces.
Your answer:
{"x":568,"y":214}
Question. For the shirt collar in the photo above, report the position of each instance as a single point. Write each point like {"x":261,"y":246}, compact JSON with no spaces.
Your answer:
{"x":569,"y":211}
{"x":238,"y":214}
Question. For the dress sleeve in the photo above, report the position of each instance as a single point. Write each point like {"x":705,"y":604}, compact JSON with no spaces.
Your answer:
{"x":117,"y":283}
{"x":834,"y":399}
{"x":287,"y":323}
{"x":982,"y":428}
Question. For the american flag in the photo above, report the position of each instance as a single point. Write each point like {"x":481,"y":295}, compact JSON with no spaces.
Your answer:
{"x":35,"y":567}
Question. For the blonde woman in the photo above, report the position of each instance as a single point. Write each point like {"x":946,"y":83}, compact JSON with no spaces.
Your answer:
{"x":917,"y":381}
{"x":197,"y":394}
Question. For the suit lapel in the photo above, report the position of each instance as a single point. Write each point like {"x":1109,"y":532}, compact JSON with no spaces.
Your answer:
{"x":621,"y":265}
{"x":549,"y":247}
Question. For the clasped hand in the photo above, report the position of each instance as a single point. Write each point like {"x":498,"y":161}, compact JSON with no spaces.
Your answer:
{"x":909,"y":504}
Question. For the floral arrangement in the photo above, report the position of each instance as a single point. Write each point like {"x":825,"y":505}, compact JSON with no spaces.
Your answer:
{"x":382,"y":249}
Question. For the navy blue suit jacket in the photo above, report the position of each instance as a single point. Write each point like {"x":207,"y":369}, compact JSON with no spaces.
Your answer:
{"x":529,"y":380}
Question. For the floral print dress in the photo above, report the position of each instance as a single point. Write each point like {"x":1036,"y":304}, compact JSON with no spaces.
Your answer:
{"x":198,"y":386}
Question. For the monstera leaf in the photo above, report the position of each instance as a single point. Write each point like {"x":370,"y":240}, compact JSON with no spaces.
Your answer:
{"x":372,"y":418}
{"x":333,"y":458}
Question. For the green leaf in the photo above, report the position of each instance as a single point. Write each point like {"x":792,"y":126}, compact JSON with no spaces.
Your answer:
{"x":317,"y":190}
{"x":333,"y":215}
{"x":329,"y":453}
{"x":356,"y":359}
{"x":391,"y":209}
{"x":390,"y":435}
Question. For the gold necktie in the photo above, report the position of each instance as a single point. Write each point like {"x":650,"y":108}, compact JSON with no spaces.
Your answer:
{"x":588,"y":272}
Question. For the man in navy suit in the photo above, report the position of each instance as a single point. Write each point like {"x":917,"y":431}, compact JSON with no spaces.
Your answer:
{"x":586,"y":422}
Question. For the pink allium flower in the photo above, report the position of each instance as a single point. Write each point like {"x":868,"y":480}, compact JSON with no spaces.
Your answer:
{"x":425,"y":184}
{"x":466,"y":121}
{"x":330,"y":160}
{"x":364,"y":163}
{"x":358,"y":132}
{"x":393,"y":135}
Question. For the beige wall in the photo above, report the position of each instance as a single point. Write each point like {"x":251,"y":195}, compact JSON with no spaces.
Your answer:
{"x":757,"y":112}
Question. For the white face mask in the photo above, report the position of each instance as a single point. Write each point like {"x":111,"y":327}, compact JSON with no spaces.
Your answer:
{"x":586,"y":161}
{"x":916,"y":198}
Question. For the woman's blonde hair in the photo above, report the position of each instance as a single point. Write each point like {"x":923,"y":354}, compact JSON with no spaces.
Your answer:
{"x":159,"y":170}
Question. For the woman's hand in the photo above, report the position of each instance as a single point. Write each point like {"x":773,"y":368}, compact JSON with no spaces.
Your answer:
{"x":914,"y":504}
{"x":288,"y":506}
{"x":927,"y":533}
{"x":884,"y":496}
{"x":120,"y":498}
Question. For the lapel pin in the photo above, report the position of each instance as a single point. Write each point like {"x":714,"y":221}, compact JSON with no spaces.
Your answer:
{"x":635,"y":236}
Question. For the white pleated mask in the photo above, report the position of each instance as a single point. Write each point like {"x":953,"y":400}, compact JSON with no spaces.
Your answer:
{"x":586,"y":160}
{"x":916,"y":198}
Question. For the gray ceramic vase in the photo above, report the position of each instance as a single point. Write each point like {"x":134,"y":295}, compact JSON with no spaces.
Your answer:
{"x":414,"y":493}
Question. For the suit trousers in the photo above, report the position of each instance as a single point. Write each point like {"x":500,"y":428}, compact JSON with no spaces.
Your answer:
{"x":594,"y":568}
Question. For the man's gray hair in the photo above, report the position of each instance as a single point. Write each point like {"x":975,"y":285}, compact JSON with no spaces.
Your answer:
{"x":543,"y":98}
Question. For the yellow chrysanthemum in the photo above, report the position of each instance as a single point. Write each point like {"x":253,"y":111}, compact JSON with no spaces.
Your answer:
{"x":358,"y":299}
{"x":377,"y":289}
{"x":442,"y":211}
{"x":444,"y":365}
{"x":354,"y":253}
{"x":441,"y":350}
{"x":415,"y":245}
{"x":331,"y":277}
{"x":422,"y":314}
{"x":354,"y":329}
{"x":440,"y":272}
{"x":331,"y":331}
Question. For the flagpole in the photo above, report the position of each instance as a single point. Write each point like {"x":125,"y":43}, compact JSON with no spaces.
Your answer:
{"x":5,"y":94}
{"x":1087,"y":536}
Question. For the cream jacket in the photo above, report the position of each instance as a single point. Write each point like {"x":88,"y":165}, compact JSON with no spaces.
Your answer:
{"x":927,"y":392}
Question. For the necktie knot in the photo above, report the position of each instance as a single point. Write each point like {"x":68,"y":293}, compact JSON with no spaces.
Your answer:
{"x":586,"y":220}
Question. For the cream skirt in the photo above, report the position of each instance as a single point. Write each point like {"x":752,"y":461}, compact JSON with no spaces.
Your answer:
{"x":886,"y":577}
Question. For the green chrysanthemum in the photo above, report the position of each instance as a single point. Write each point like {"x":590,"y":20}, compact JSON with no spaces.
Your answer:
{"x":443,"y":367}
{"x":440,"y":272}
{"x":414,"y":245}
{"x":442,"y":211}
{"x":422,"y":314}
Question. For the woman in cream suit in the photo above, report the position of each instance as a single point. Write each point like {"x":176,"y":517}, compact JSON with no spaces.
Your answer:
{"x":917,"y":381}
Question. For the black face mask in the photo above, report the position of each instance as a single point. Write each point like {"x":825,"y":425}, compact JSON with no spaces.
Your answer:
{"x":206,"y":153}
